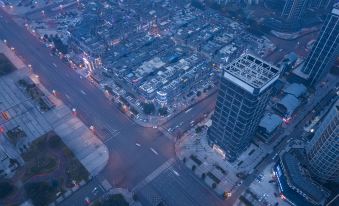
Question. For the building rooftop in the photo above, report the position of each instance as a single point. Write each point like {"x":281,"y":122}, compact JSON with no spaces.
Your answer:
{"x":290,"y":102}
{"x":296,"y":177}
{"x":251,"y":73}
{"x":336,"y":9}
{"x":295,"y":89}
{"x":270,"y":122}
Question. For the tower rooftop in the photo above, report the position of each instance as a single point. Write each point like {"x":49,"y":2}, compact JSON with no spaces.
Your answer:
{"x":251,"y":73}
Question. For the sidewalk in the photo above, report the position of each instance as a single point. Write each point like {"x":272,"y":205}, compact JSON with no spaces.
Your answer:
{"x":128,"y":195}
{"x":88,"y":148}
{"x":217,"y":173}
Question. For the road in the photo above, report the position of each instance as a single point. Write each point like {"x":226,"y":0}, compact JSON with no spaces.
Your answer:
{"x":135,"y":151}
{"x":293,"y":132}
{"x":191,"y":116}
{"x":128,"y":164}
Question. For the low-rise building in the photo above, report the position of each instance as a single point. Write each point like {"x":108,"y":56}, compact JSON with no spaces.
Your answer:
{"x":295,"y":185}
{"x":287,"y":105}
{"x":267,"y":126}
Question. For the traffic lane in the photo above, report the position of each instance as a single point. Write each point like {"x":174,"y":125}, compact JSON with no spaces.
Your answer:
{"x":191,"y":116}
{"x":91,"y":100}
{"x":100,"y":108}
{"x":79,"y":93}
{"x":62,"y":85}
{"x":87,"y":193}
{"x":44,"y":67}
{"x":126,"y":169}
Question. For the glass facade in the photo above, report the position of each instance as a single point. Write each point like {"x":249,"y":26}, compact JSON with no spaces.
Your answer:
{"x":239,"y":108}
{"x":323,"y":149}
{"x":325,"y":50}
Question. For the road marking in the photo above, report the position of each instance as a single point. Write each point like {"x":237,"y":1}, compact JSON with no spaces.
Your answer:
{"x":67,"y":96}
{"x":106,"y":185}
{"x":137,"y":144}
{"x":175,"y":172}
{"x":83,"y":92}
{"x":54,"y":65}
{"x":153,"y":150}
{"x":154,"y":174}
{"x":188,"y":110}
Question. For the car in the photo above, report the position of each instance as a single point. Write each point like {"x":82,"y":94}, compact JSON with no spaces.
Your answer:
{"x":274,"y":156}
{"x":87,"y":201}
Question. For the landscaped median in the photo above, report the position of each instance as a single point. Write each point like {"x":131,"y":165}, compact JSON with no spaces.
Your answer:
{"x":33,"y":92}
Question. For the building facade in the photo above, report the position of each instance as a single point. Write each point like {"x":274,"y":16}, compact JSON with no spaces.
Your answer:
{"x":323,"y":149}
{"x":321,"y":4}
{"x":295,"y":185}
{"x":245,"y":89}
{"x":325,"y":50}
{"x":294,"y":10}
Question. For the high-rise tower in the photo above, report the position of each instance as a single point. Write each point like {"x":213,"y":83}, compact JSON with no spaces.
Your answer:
{"x":325,"y":50}
{"x":323,"y":149}
{"x":245,"y":89}
{"x":294,"y":10}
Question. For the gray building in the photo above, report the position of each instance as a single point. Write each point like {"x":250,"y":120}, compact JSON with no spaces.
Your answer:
{"x":323,"y":149}
{"x":244,"y":92}
{"x":325,"y":50}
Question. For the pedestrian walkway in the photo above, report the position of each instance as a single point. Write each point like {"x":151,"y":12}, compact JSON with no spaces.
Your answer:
{"x":154,"y":174}
{"x":89,"y":149}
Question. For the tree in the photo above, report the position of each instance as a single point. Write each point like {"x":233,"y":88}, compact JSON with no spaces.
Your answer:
{"x":60,"y":45}
{"x":198,"y":93}
{"x":163,"y":111}
{"x":194,"y":167}
{"x":40,"y":193}
{"x":114,"y":200}
{"x":198,"y":129}
{"x":148,"y":108}
{"x":6,"y":189}
{"x":214,"y":185}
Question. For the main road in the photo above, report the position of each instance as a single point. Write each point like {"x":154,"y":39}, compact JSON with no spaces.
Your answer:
{"x":135,"y":151}
{"x":132,"y":147}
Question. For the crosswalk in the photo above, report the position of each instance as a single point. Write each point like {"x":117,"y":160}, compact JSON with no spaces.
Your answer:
{"x":154,"y":174}
{"x":109,"y":133}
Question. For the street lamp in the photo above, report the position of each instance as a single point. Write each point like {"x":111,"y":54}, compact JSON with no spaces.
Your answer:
{"x":74,"y":111}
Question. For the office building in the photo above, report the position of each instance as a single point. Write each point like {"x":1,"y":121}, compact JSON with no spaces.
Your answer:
{"x":294,"y":10}
{"x":321,"y":4}
{"x":291,"y":15}
{"x":245,"y":89}
{"x":325,"y":50}
{"x":323,"y":149}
